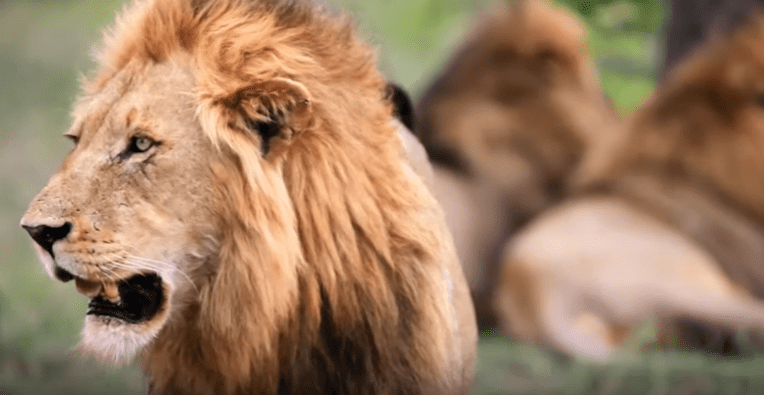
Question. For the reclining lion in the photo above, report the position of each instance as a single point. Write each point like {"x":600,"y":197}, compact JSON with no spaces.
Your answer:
{"x":505,"y":125}
{"x":670,"y":221}
{"x":240,"y":209}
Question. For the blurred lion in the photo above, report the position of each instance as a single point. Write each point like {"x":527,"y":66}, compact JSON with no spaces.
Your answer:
{"x":670,"y":221}
{"x":505,"y":124}
{"x":241,"y":209}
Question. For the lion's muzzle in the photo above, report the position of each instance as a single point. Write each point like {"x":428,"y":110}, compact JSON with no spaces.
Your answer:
{"x":134,"y":300}
{"x":45,"y":236}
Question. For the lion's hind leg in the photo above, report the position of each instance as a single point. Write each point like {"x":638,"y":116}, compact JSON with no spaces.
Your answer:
{"x":583,"y":276}
{"x":534,"y":308}
{"x":567,"y":326}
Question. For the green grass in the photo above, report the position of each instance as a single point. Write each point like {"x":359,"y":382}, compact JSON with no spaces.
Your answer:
{"x":44,"y":47}
{"x":509,"y":368}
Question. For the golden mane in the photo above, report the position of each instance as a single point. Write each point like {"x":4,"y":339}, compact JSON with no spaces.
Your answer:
{"x":346,"y":242}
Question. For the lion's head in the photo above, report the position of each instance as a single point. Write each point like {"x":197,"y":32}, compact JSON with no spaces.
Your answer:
{"x":505,"y":124}
{"x":518,"y":104}
{"x":238,"y":206}
{"x":703,"y":130}
{"x":706,"y":118}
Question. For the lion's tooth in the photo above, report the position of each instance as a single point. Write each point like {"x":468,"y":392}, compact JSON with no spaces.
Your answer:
{"x":91,"y":289}
{"x":111,"y":292}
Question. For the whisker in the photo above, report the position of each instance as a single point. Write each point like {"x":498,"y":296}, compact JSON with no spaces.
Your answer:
{"x":134,"y":263}
{"x":159,"y":266}
{"x":136,"y":267}
{"x":111,"y":274}
{"x":130,"y":267}
{"x":113,"y":260}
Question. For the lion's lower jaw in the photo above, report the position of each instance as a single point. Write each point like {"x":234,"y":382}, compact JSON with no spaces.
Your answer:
{"x":117,"y":342}
{"x":112,"y":340}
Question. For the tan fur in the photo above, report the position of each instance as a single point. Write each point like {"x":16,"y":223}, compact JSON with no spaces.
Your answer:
{"x":319,"y":265}
{"x":669,"y":224}
{"x":507,"y":122}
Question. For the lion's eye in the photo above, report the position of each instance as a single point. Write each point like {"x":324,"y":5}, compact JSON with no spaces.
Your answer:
{"x":140,"y":144}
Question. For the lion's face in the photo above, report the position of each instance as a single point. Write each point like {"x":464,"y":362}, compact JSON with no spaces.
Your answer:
{"x":127,"y":216}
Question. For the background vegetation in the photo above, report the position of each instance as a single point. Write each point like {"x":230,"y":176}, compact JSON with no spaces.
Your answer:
{"x":44,"y":46}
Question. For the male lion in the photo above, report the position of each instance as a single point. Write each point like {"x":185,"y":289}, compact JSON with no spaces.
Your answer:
{"x":671,"y":224}
{"x":240,"y":210}
{"x":506,"y":123}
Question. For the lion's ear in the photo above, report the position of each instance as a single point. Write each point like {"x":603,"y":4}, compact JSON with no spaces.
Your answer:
{"x":277,"y":108}
{"x":403,"y":110}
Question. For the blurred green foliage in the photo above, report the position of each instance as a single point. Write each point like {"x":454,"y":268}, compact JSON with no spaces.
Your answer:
{"x":645,"y":16}
{"x":44,"y":47}
{"x":416,"y":37}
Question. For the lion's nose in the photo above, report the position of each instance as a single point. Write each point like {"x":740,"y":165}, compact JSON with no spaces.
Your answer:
{"x":45,"y":235}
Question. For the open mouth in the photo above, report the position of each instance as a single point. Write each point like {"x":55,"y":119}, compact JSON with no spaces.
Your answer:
{"x":138,"y":300}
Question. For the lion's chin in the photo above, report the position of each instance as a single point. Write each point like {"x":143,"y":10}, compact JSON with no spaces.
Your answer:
{"x":116,"y":330}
